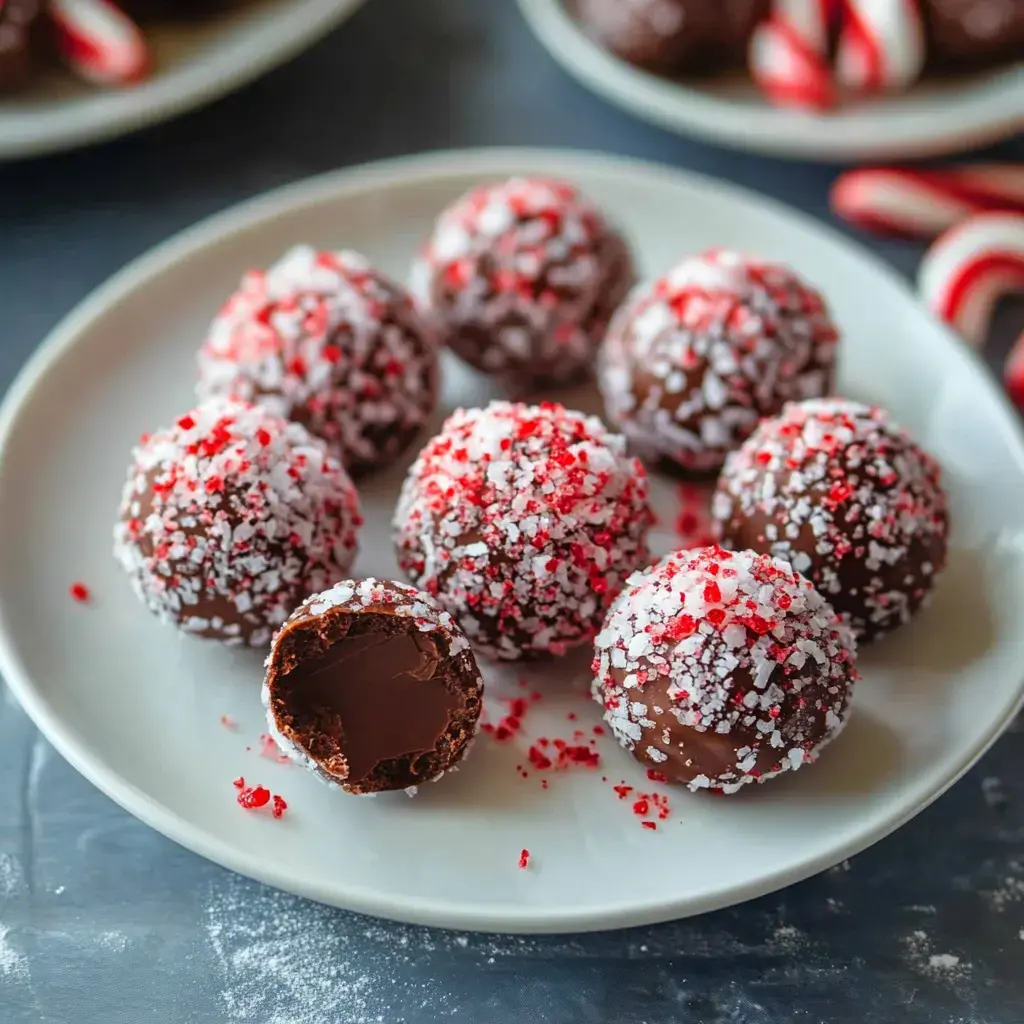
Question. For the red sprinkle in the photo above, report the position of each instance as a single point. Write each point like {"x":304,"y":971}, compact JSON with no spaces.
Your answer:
{"x":270,"y":750}
{"x":279,"y":806}
{"x":512,"y":723}
{"x":239,"y":782}
{"x":253,"y":796}
{"x":524,"y":860}
{"x":80,"y":592}
{"x":655,"y":776}
{"x":649,"y":824}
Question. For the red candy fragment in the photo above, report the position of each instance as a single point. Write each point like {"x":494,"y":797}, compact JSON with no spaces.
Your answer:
{"x":510,"y":724}
{"x":270,"y":750}
{"x":253,"y":796}
{"x":524,"y":860}
{"x":80,"y":593}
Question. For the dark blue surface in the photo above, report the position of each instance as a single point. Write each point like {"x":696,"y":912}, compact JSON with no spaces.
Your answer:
{"x":103,"y":921}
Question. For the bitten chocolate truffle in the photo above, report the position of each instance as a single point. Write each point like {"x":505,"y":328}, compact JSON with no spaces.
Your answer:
{"x":694,"y":360}
{"x":373,"y":687}
{"x":326,"y":340}
{"x":521,"y":278}
{"x":230,"y":518}
{"x":673,"y":35}
{"x":524,"y":521}
{"x":719,"y":669}
{"x":849,"y":500}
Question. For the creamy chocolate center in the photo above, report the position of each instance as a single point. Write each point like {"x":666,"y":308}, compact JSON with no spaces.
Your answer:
{"x":381,"y":694}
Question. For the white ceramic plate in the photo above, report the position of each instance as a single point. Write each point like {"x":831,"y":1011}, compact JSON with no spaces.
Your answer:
{"x":197,"y":62}
{"x":932,"y":119}
{"x":137,"y":708}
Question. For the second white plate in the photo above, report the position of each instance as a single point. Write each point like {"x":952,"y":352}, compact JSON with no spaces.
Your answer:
{"x":137,"y":708}
{"x":196,"y":62}
{"x":934,"y":118}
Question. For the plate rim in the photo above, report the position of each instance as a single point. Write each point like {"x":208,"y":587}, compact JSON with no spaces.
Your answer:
{"x":658,"y":101}
{"x":284,"y":201}
{"x":157,"y":100}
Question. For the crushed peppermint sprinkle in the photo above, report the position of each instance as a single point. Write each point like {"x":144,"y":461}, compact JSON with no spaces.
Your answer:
{"x":232,"y":516}
{"x":80,"y":592}
{"x":327,"y":340}
{"x":509,"y":724}
{"x":849,"y":500}
{"x":648,"y":806}
{"x":694,"y":360}
{"x":524,"y":521}
{"x":350,"y":598}
{"x":252,"y":797}
{"x":271,"y":751}
{"x":693,"y":525}
{"x":560,"y":755}
{"x":523,"y":276}
{"x":524,"y":860}
{"x":723,"y":668}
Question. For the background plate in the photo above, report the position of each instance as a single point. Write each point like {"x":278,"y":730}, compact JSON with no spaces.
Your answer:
{"x":137,"y":708}
{"x":933,"y":118}
{"x":196,"y":62}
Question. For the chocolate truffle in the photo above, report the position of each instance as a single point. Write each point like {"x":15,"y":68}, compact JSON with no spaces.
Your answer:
{"x":849,"y":500}
{"x":694,"y":360}
{"x":524,"y":521}
{"x":673,"y":35}
{"x":326,"y":340}
{"x":521,"y":278}
{"x":721,"y":668}
{"x":373,"y":686}
{"x":230,"y":518}
{"x":974,"y":32}
{"x":19,"y":20}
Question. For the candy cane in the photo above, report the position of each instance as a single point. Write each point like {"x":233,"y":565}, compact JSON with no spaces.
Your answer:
{"x":98,"y":41}
{"x":921,"y":204}
{"x":882,"y":45}
{"x":969,"y":268}
{"x":1013,"y":373}
{"x":789,"y":55}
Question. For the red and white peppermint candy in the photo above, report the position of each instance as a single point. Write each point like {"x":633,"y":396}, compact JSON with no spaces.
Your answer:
{"x":789,"y":55}
{"x":1013,"y":373}
{"x":99,"y":42}
{"x":923,"y":203}
{"x":969,"y":268}
{"x":882,"y":45}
